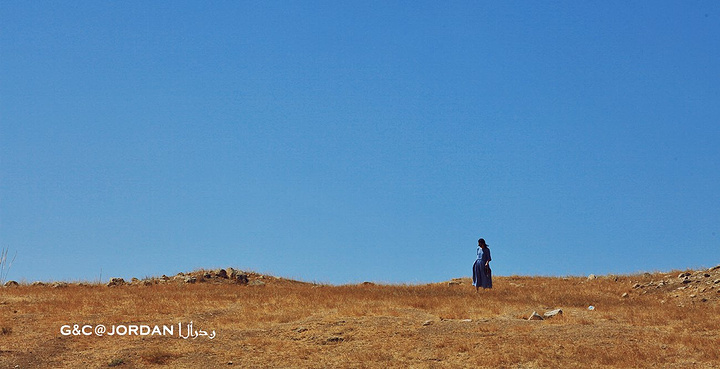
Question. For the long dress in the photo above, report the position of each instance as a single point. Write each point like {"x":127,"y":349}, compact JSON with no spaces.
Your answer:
{"x":477,"y":269}
{"x":486,"y":275}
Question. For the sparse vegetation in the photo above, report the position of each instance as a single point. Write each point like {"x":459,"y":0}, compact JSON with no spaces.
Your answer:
{"x":284,"y":323}
{"x":157,"y":356}
{"x":116,"y":362}
{"x":5,"y":264}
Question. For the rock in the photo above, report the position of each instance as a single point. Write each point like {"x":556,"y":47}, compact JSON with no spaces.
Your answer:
{"x":686,"y":281}
{"x":553,"y":313}
{"x":38,"y":283}
{"x":454,"y":283}
{"x":427,"y":323}
{"x":535,"y":316}
{"x":59,"y":285}
{"x":636,"y":285}
{"x":147,"y":282}
{"x":11,"y":284}
{"x":221,"y":273}
{"x":190,"y":280}
{"x":300,"y":329}
{"x":241,"y":278}
{"x":714,"y":268}
{"x":207,"y":275}
{"x":624,"y":295}
{"x":716,"y":281}
{"x":256,"y":283}
{"x":591,"y":277}
{"x":116,"y":282}
{"x":706,"y":275}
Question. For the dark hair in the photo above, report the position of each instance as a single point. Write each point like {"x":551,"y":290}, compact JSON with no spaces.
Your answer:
{"x":482,"y":241}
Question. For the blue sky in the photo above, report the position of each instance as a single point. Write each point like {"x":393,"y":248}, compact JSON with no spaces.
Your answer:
{"x":342,"y":142}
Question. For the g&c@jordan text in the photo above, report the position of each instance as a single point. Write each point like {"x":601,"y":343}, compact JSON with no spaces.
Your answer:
{"x":180,"y":330}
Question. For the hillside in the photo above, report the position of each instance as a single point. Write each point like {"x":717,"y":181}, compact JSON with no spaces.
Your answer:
{"x":228,"y":318}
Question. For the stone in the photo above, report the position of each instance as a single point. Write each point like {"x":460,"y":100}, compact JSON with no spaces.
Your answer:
{"x":38,"y":283}
{"x":717,"y":281}
{"x":636,"y":285}
{"x":59,"y":285}
{"x":591,"y":277}
{"x":552,"y":313}
{"x":624,"y":295}
{"x":190,"y":280}
{"x":221,"y":273}
{"x":454,"y":283}
{"x":256,"y":283}
{"x":427,"y":323}
{"x":11,"y":284}
{"x":683,"y":275}
{"x":686,"y":281}
{"x":116,"y":282}
{"x":241,"y":278}
{"x":535,"y":316}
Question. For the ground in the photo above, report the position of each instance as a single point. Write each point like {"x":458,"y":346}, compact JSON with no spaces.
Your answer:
{"x":659,"y":320}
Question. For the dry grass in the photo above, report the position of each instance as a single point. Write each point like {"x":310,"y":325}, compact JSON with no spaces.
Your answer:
{"x":286,"y":324}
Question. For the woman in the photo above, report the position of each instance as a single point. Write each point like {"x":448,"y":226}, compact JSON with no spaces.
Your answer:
{"x":482,"y":275}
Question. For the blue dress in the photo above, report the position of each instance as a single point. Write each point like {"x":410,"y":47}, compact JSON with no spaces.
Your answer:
{"x":482,"y":276}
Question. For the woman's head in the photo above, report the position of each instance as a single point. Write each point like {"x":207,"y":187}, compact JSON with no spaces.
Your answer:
{"x":481,"y":242}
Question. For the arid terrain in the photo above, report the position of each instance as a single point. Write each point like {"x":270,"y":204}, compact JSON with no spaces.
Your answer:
{"x":248,"y":320}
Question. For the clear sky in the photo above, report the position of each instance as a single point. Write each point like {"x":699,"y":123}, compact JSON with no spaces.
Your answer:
{"x":350,"y":141}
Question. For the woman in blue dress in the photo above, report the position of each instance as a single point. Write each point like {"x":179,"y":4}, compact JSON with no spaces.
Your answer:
{"x":482,"y":275}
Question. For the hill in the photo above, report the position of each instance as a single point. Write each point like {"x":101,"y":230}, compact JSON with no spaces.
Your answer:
{"x":228,"y":318}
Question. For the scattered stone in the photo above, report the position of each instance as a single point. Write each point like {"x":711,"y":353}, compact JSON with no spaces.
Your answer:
{"x":535,"y":316}
{"x":427,"y":323}
{"x":59,"y":285}
{"x":230,"y":363}
{"x":636,"y":285}
{"x":221,"y":273}
{"x":241,"y":278}
{"x":706,"y":275}
{"x":256,"y":283}
{"x":190,"y":280}
{"x":683,"y":275}
{"x":624,"y":295}
{"x":552,"y":313}
{"x":147,"y":282}
{"x":591,"y":277}
{"x":38,"y":283}
{"x":116,"y":282}
{"x":714,"y":268}
{"x":368,"y":284}
{"x":134,"y":280}
{"x":11,"y":284}
{"x":686,"y":281}
{"x":717,"y":281}
{"x":335,"y":339}
{"x":454,"y":283}
{"x":693,"y":296}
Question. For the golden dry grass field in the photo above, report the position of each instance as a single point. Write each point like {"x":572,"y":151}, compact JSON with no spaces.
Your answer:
{"x":666,"y":320}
